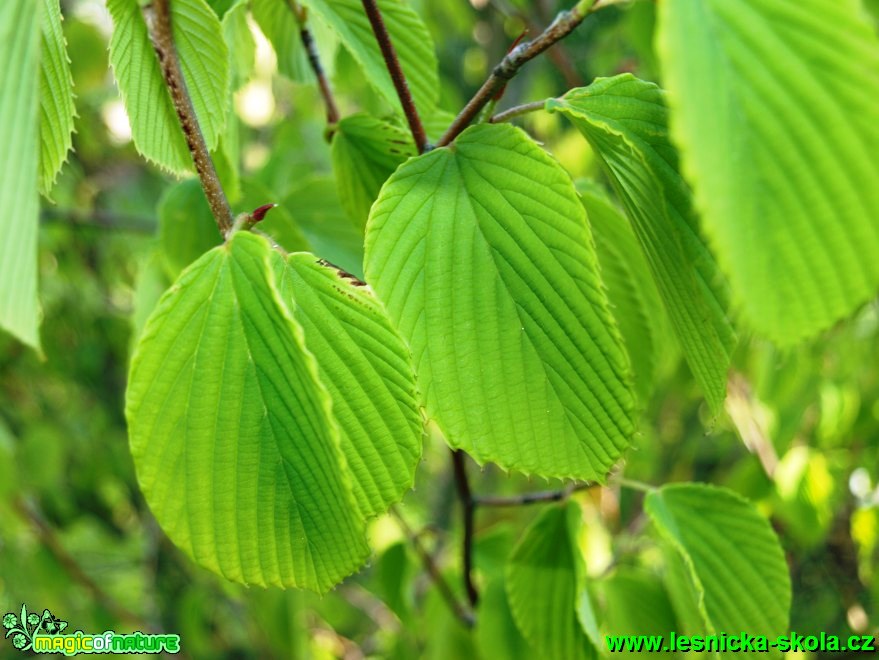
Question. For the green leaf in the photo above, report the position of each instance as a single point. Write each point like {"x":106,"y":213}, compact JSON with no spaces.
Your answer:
{"x":625,"y":121}
{"x":735,"y":563}
{"x":277,"y":22}
{"x":365,"y":152}
{"x":411,"y":39}
{"x":775,"y":113}
{"x":186,"y":226}
{"x":19,"y":168}
{"x":279,"y":223}
{"x":634,"y":602}
{"x":319,"y":215}
{"x":152,"y":281}
{"x":204,"y":59}
{"x":56,"y":97}
{"x":634,"y":298}
{"x":497,"y":635}
{"x":240,"y":42}
{"x":231,"y":430}
{"x":544,"y":577}
{"x":368,"y":374}
{"x":483,"y":258}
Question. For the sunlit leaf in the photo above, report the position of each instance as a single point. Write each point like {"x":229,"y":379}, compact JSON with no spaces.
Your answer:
{"x":231,"y":430}
{"x":775,"y":112}
{"x":483,"y":258}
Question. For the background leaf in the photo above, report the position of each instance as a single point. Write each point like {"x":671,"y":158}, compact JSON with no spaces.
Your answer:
{"x":187,"y":228}
{"x":277,"y":22}
{"x":543,"y":579}
{"x":735,"y":563}
{"x":625,"y":121}
{"x":409,"y":35}
{"x":56,"y":97}
{"x":231,"y":430}
{"x":368,"y":373}
{"x":482,"y":256}
{"x":19,"y":142}
{"x":775,"y":112}
{"x":366,"y":151}
{"x":204,"y":59}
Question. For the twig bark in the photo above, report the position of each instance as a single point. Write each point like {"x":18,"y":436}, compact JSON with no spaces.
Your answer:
{"x":460,"y":611}
{"x":565,"y":23}
{"x":530,"y":498}
{"x":308,"y":43}
{"x":516,"y":111}
{"x":469,"y":508}
{"x":397,"y":75}
{"x":159,"y":22}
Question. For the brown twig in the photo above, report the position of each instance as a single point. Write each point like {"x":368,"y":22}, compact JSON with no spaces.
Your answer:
{"x":516,"y":111}
{"x":308,"y":43}
{"x":436,"y":576}
{"x":530,"y":498}
{"x":565,"y":23}
{"x":469,"y":508}
{"x":397,"y":75}
{"x":159,"y":22}
{"x":53,"y":544}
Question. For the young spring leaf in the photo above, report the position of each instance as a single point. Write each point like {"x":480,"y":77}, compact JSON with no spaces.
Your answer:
{"x":733,"y":561}
{"x":278,"y":23}
{"x":409,"y":35}
{"x":204,"y":59}
{"x":232,"y":433}
{"x":775,"y":113}
{"x":544,"y":578}
{"x":482,"y":256}
{"x":56,"y":97}
{"x":19,"y":167}
{"x":625,"y":121}
{"x":366,"y":151}
{"x":368,"y":374}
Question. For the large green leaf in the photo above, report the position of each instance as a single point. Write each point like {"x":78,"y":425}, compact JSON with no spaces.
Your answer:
{"x":625,"y":121}
{"x":368,"y":373}
{"x":410,"y":37}
{"x":483,"y":258}
{"x":231,"y":430}
{"x":56,"y":97}
{"x":366,"y":151}
{"x":775,"y":113}
{"x":735,"y":564}
{"x":634,"y":298}
{"x":544,"y":577}
{"x":19,"y":168}
{"x":204,"y":59}
{"x":278,"y":23}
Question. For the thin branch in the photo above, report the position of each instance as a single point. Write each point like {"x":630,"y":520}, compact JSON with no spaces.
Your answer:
{"x":516,"y":111}
{"x":397,"y":75}
{"x":460,"y":611}
{"x":53,"y":544}
{"x":159,"y":22}
{"x":565,"y":23}
{"x":469,"y":508}
{"x":323,"y":83}
{"x":530,"y":498}
{"x":99,"y":218}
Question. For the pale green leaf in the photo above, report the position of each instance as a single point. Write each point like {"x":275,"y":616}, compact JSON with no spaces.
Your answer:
{"x":483,"y":258}
{"x":187,"y":228}
{"x":232,"y":433}
{"x":634,"y":298}
{"x":152,"y":281}
{"x":204,"y":60}
{"x":19,"y":168}
{"x":365,"y":152}
{"x":774,"y":108}
{"x":735,"y":563}
{"x":56,"y":97}
{"x":625,"y":121}
{"x":411,"y":39}
{"x":544,"y":577}
{"x":240,"y":42}
{"x":497,"y":635}
{"x":634,"y":602}
{"x":368,"y":373}
{"x":278,"y":23}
